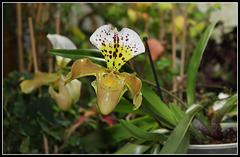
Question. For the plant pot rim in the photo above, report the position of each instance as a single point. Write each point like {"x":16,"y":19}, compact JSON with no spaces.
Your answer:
{"x":213,"y":146}
{"x":217,"y":146}
{"x":229,"y":125}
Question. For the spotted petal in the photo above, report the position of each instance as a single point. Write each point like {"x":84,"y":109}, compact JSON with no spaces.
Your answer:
{"x":117,"y":47}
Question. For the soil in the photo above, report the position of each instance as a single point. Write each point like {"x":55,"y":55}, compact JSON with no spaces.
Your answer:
{"x":229,"y":136}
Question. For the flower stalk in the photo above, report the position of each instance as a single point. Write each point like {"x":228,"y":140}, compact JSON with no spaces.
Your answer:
{"x":153,"y":69}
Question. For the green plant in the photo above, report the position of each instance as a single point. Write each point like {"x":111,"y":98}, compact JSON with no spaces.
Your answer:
{"x":24,"y":134}
{"x":176,"y":120}
{"x":35,"y":124}
{"x":66,"y":95}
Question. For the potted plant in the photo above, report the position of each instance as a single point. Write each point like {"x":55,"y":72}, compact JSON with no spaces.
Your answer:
{"x":177,"y":123}
{"x":221,"y":148}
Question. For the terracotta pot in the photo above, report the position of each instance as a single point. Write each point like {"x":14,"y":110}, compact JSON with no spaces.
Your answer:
{"x":228,"y":148}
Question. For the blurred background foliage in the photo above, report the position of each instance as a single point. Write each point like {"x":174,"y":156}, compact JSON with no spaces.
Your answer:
{"x":28,"y":120}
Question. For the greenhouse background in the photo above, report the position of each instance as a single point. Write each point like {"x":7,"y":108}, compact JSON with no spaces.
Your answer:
{"x":34,"y":123}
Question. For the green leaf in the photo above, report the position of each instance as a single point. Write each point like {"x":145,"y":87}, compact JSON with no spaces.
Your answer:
{"x":156,"y":105}
{"x":110,"y":135}
{"x":218,"y":116}
{"x":46,"y":130}
{"x":233,"y":111}
{"x":183,"y":147}
{"x":126,"y":106}
{"x":155,"y":148}
{"x":133,"y":147}
{"x":195,"y":62}
{"x":153,"y":103}
{"x":141,"y":134}
{"x":19,"y":109}
{"x":118,"y":131}
{"x":177,"y":112}
{"x":193,"y":69}
{"x":176,"y":138}
{"x":24,"y":147}
{"x":75,"y":54}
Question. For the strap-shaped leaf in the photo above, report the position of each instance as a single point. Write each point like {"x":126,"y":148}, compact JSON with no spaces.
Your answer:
{"x":92,"y":54}
{"x":116,"y":133}
{"x":133,"y":147}
{"x":155,"y":148}
{"x":141,"y":134}
{"x":183,"y":147}
{"x":193,"y":69}
{"x":157,"y":106}
{"x":177,"y":112}
{"x":175,"y":139}
{"x":218,"y":116}
{"x":195,"y":62}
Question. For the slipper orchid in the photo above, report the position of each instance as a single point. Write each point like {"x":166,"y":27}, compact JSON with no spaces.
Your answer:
{"x":68,"y":94}
{"x":110,"y":85}
{"x":61,"y":42}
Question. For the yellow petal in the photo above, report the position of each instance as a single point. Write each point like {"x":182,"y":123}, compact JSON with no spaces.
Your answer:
{"x":39,"y":79}
{"x":62,"y":98}
{"x":134,"y":84}
{"x":83,"y":67}
{"x":110,"y":88}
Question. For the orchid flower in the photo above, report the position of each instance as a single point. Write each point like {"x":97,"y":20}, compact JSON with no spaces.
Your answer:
{"x":61,"y":42}
{"x":110,"y":85}
{"x":68,"y":94}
